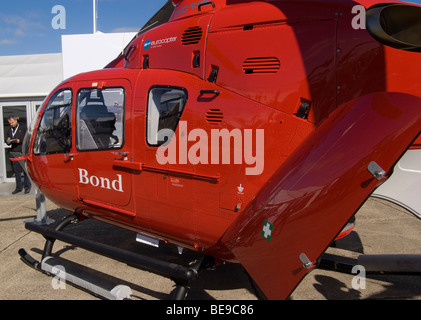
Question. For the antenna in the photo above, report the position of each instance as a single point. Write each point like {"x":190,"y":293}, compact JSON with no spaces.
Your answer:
{"x":95,"y":16}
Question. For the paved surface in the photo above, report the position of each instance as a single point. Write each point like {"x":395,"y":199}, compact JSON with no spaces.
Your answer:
{"x":381,"y":228}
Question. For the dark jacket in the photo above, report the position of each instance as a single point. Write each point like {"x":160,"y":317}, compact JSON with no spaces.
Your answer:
{"x":20,"y":134}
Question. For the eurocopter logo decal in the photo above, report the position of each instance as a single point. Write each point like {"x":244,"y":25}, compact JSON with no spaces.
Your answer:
{"x":149,"y":44}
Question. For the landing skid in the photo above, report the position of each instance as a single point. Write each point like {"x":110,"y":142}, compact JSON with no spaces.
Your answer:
{"x":380,"y":264}
{"x":97,"y":284}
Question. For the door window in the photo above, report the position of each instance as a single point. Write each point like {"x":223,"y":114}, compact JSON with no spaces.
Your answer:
{"x":54,"y":134}
{"x":100,"y":118}
{"x":165,"y":107}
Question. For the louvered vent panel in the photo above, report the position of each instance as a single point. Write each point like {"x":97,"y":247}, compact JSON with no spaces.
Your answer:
{"x":214,"y":116}
{"x":268,"y":65}
{"x":192,"y":36}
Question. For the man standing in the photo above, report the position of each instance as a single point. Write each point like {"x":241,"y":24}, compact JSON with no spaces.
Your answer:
{"x":15,"y":136}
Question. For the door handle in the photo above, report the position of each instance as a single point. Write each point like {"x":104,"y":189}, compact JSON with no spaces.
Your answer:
{"x":206,"y":4}
{"x":120,"y":155}
{"x":68,"y":157}
{"x":211,"y":92}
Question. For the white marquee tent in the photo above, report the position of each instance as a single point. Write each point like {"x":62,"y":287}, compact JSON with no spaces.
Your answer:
{"x":30,"y":75}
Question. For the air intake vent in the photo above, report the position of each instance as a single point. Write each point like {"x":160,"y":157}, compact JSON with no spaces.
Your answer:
{"x":192,"y":36}
{"x":214,"y":116}
{"x":268,"y":65}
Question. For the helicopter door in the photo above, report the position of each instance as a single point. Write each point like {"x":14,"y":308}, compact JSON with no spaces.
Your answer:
{"x":102,"y":142}
{"x":54,"y":171}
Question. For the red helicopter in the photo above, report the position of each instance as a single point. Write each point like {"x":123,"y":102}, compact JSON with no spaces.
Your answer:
{"x":250,"y":132}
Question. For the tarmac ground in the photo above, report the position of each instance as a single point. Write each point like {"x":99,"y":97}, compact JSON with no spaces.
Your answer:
{"x":381,"y":228}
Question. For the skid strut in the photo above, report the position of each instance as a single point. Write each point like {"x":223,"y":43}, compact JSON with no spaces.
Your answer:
{"x":181,"y":275}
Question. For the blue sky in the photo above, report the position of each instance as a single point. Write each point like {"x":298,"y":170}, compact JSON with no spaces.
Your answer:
{"x":26,"y":26}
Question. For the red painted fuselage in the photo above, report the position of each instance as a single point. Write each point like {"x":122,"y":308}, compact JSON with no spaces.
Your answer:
{"x":273,"y":109}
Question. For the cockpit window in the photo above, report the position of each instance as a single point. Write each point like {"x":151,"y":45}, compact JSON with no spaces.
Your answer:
{"x":54,"y":134}
{"x":100,"y":119}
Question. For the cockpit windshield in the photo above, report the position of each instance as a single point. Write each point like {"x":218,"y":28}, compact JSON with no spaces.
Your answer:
{"x":54,"y":134}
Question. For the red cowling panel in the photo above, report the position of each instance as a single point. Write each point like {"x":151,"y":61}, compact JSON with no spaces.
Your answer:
{"x":311,"y":197}
{"x":116,"y":63}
